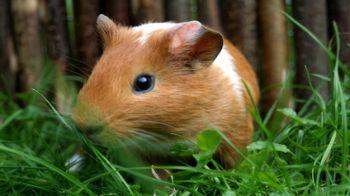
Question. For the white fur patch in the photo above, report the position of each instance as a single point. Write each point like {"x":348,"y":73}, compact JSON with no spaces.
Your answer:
{"x":224,"y":60}
{"x":148,"y":28}
{"x":226,"y":63}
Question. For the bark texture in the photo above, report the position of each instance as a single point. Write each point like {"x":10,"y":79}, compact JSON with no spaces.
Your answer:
{"x":208,"y":13}
{"x":240,"y":26}
{"x":27,"y":40}
{"x":148,"y":11}
{"x":118,"y":10}
{"x":58,"y":46}
{"x":178,"y":10}
{"x":274,"y":42}
{"x":8,"y":64}
{"x":312,"y":14}
{"x":58,"y":50}
{"x":87,"y":41}
{"x":339,"y":12}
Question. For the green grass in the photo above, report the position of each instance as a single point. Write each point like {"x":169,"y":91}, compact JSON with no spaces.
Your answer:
{"x":308,"y":155}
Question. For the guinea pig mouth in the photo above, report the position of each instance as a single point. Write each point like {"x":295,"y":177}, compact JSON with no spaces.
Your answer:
{"x":91,"y":130}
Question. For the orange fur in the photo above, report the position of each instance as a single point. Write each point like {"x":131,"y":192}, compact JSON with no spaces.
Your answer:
{"x":183,"y":102}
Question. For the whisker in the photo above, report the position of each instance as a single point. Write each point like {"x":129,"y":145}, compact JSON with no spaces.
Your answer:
{"x":156,"y":122}
{"x":154,"y":135}
{"x":143,"y":136}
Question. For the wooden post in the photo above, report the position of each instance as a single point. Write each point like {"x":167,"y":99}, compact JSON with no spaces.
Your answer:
{"x":239,"y":19}
{"x":87,"y":42}
{"x":148,"y":11}
{"x":274,"y":42}
{"x":58,"y":46}
{"x":8,"y":63}
{"x":312,"y":14}
{"x":178,"y":10}
{"x":118,"y":10}
{"x":208,"y":13}
{"x":58,"y":50}
{"x":28,"y":45}
{"x":339,"y":11}
{"x":240,"y":26}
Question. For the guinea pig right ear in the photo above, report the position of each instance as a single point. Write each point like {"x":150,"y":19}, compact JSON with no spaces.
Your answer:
{"x":196,"y":43}
{"x":106,"y":28}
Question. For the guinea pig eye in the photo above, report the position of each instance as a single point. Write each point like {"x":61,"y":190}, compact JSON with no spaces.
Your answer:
{"x":143,"y":83}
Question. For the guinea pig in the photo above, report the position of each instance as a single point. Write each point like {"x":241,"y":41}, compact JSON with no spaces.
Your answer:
{"x":168,"y":81}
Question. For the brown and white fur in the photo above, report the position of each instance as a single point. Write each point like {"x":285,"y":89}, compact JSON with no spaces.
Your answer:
{"x":198,"y":84}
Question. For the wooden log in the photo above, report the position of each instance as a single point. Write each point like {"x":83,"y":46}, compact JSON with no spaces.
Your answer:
{"x":178,"y":10}
{"x":274,"y":45}
{"x":148,"y":11}
{"x":55,"y":22}
{"x":27,"y":42}
{"x":339,"y":11}
{"x":118,"y":10}
{"x":274,"y":42}
{"x":8,"y":61}
{"x":87,"y":41}
{"x":57,"y":32}
{"x":208,"y":13}
{"x":239,"y":19}
{"x":312,"y":14}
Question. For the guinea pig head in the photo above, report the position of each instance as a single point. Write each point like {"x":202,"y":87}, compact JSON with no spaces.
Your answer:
{"x":154,"y":79}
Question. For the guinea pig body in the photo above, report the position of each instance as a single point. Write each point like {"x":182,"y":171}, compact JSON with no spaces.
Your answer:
{"x":168,"y":81}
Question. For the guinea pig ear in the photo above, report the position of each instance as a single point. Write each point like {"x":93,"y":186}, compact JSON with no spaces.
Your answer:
{"x":106,"y":28}
{"x":196,"y":43}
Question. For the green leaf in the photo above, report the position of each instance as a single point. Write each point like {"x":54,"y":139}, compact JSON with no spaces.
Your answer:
{"x":208,"y":140}
{"x":10,"y":119}
{"x":260,"y":145}
{"x":289,"y":112}
{"x":294,"y":116}
{"x":182,"y":149}
{"x":203,"y":158}
{"x":229,"y":193}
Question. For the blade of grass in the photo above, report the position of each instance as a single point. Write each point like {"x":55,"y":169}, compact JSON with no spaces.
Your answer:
{"x":54,"y":110}
{"x":340,"y":95}
{"x":312,"y":35}
{"x":325,"y":156}
{"x":255,"y":113}
{"x":118,"y":178}
{"x":48,"y":165}
{"x":122,"y":184}
{"x":10,"y":119}
{"x":329,"y":52}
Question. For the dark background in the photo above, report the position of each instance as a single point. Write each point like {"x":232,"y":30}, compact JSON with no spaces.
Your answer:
{"x":61,"y":35}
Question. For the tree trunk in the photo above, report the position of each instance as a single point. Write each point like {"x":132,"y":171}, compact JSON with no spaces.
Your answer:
{"x":312,"y":14}
{"x":240,"y":26}
{"x":274,"y":42}
{"x":208,"y":13}
{"x":28,"y":45}
{"x":58,"y":50}
{"x":8,"y":63}
{"x":339,"y":11}
{"x":178,"y":10}
{"x":118,"y":10}
{"x":58,"y":46}
{"x":87,"y":42}
{"x":148,"y":11}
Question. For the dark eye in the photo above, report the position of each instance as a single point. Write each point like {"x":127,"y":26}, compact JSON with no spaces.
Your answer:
{"x":143,"y":83}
